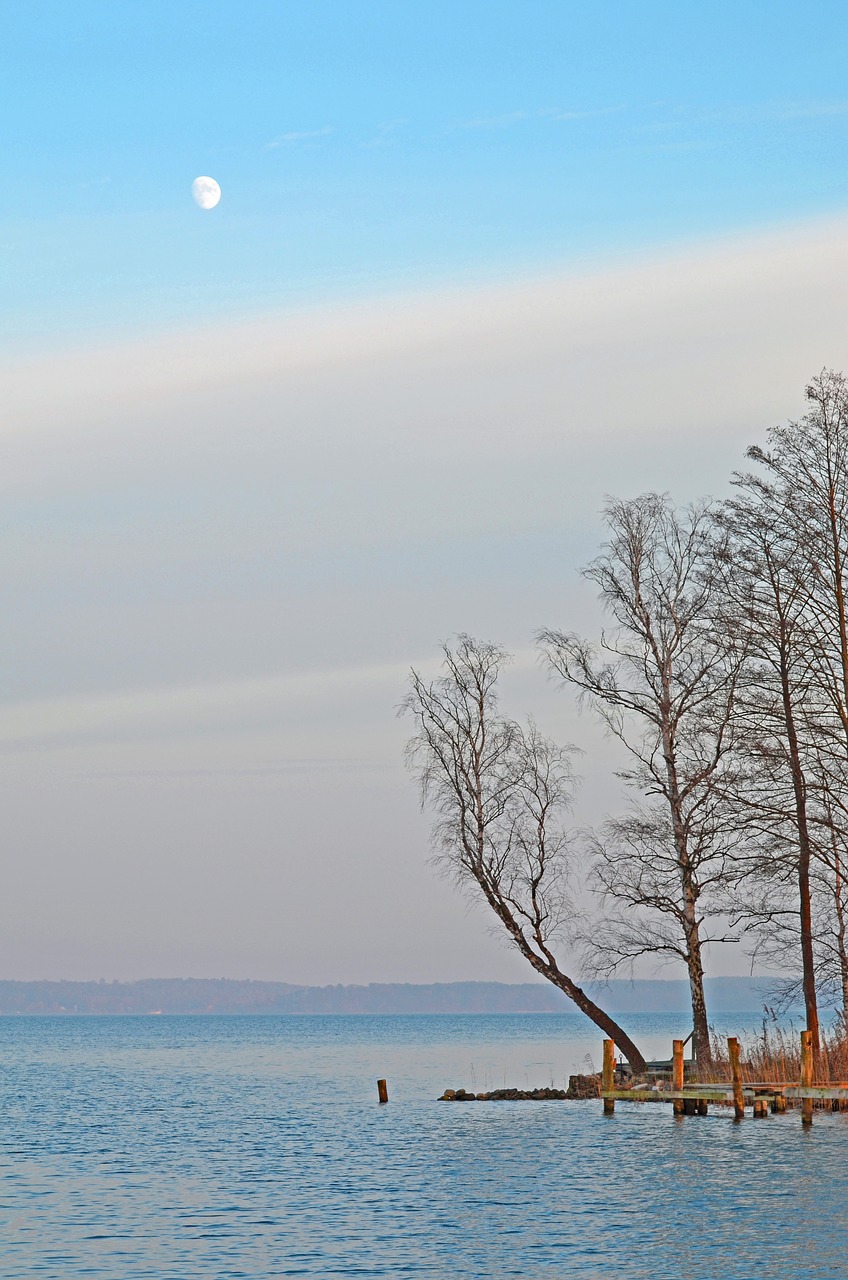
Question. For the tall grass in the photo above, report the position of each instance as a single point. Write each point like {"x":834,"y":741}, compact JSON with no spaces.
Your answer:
{"x":774,"y":1055}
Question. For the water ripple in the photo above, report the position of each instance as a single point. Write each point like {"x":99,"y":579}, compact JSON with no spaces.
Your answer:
{"x":254,"y":1148}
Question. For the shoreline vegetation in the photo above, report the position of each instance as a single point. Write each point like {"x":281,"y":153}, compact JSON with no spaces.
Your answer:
{"x":770,"y":1072}
{"x":775,"y":1054}
{"x":177,"y":996}
{"x":722,"y":673}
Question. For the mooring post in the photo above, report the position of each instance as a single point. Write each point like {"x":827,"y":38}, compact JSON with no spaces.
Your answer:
{"x":736,"y":1077}
{"x":382,"y":1091}
{"x":677,"y":1075}
{"x":609,"y":1076}
{"x":806,"y":1075}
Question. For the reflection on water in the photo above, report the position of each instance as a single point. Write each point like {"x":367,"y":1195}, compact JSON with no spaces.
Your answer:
{"x":254,"y":1147}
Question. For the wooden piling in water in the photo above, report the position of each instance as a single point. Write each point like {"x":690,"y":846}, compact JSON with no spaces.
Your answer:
{"x":806,"y":1075}
{"x":677,"y":1076}
{"x":694,"y":1099}
{"x":382,"y":1091}
{"x":609,"y":1076}
{"x":736,"y":1076}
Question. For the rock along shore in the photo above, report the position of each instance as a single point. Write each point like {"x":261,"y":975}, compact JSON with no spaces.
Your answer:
{"x":579,"y":1088}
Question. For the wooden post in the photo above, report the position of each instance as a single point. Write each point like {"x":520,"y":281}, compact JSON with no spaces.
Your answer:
{"x":736,"y":1076}
{"x":382,"y":1091}
{"x":760,"y":1109}
{"x":779,"y":1105}
{"x":806,"y":1075}
{"x":609,"y":1076}
{"x":677,"y":1075}
{"x":703,"y":1107}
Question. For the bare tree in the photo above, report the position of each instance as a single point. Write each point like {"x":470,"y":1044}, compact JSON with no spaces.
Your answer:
{"x":636,"y":869}
{"x":790,"y":527}
{"x":768,"y":601}
{"x":831,"y":877}
{"x":664,"y":683}
{"x":806,"y":486}
{"x":806,"y":465}
{"x":766,"y":898}
{"x":499,"y":792}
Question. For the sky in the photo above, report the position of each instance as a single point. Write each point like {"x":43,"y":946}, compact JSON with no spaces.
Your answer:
{"x":474,"y":267}
{"x":366,"y":148}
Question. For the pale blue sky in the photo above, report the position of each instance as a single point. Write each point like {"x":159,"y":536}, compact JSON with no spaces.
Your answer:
{"x":365,"y":147}
{"x":475,"y":266}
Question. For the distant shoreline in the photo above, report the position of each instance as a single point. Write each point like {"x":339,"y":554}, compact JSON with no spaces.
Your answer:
{"x":185,"y":996}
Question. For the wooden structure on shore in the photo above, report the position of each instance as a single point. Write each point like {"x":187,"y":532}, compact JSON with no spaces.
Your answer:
{"x":761,"y":1096}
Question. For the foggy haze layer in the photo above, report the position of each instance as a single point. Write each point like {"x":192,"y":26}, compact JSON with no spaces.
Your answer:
{"x":225,"y":547}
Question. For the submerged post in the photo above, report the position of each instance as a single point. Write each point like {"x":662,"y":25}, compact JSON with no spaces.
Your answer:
{"x":677,"y":1075}
{"x":806,"y":1075}
{"x":609,"y":1076}
{"x":736,"y":1077}
{"x":382,"y":1091}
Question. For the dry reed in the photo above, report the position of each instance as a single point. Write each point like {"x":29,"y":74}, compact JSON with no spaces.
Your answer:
{"x":774,"y":1055}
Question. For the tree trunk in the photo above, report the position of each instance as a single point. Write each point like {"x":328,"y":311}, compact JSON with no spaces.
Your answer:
{"x":843,"y":710}
{"x":601,"y":1019}
{"x":803,"y":866}
{"x":701,"y":1047}
{"x":690,"y":890}
{"x":549,"y":969}
{"x":840,"y":933}
{"x":807,"y":957}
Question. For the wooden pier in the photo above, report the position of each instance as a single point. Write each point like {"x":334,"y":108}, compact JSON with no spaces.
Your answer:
{"x":761,"y":1096}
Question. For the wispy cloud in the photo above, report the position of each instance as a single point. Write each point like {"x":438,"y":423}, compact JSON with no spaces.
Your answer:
{"x":298,"y":135}
{"x":554,"y":114}
{"x":811,"y":110}
{"x":386,"y":132}
{"x":188,"y":709}
{"x":754,"y":113}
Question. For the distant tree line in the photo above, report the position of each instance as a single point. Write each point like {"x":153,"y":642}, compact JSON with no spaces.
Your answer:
{"x":724,"y":675}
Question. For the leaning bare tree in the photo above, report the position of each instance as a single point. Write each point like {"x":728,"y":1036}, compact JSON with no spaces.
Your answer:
{"x":664,"y":683}
{"x":499,"y":791}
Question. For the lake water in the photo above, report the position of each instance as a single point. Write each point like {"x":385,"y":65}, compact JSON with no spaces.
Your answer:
{"x":254,"y":1147}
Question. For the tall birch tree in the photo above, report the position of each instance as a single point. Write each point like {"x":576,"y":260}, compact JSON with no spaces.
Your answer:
{"x":663,"y":679}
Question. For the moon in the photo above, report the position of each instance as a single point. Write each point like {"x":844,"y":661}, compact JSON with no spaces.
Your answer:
{"x":206,"y":192}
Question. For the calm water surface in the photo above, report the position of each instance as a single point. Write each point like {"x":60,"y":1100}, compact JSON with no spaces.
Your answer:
{"x":254,"y":1147}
